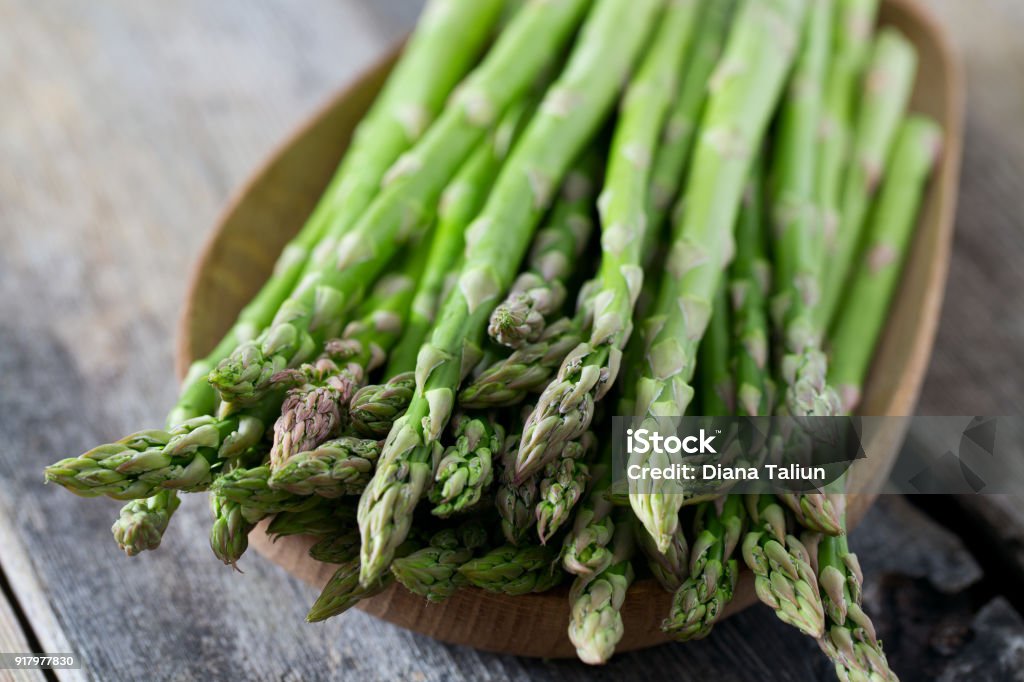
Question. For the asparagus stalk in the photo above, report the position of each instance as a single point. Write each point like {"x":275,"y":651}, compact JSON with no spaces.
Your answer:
{"x":797,"y":225}
{"x":145,"y":463}
{"x":565,"y":408}
{"x":850,"y":639}
{"x":459,"y":204}
{"x":886,"y":91}
{"x":564,"y":481}
{"x":141,"y":524}
{"x":744,"y":91}
{"x":433,"y":572}
{"x":326,"y":518}
{"x":442,"y":48}
{"x":540,"y":291}
{"x":410,"y":193}
{"x":797,"y":235}
{"x":342,"y":466}
{"x":466,"y":468}
{"x":232,"y":523}
{"x":515,"y":502}
{"x":851,"y":45}
{"x":698,"y":603}
{"x":784,"y":576}
{"x":337,"y":548}
{"x":568,"y":118}
{"x":315,"y":411}
{"x":713,"y":358}
{"x":595,"y":624}
{"x":849,"y":636}
{"x":889,"y":230}
{"x":513,"y":570}
{"x":750,"y":282}
{"x":343,"y":590}
{"x":250,"y":487}
{"x":585,"y":549}
{"x":671,"y":567}
{"x":705,"y":47}
{"x":375,"y":408}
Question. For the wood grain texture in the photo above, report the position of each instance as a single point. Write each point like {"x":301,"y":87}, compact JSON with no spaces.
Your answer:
{"x":13,"y":640}
{"x":133,"y":123}
{"x":25,"y":586}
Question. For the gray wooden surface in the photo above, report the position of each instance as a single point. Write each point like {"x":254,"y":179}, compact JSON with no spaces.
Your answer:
{"x":124,"y":127}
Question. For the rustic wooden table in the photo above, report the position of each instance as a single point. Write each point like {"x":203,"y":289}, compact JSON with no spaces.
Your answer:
{"x":124,"y":128}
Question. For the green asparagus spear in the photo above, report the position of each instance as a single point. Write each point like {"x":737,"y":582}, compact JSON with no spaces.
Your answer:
{"x":749,"y":284}
{"x":562,"y":485}
{"x":326,"y":518}
{"x":595,"y":624}
{"x":466,"y":468}
{"x":540,"y":291}
{"x":713,"y":359}
{"x":144,"y":463}
{"x":375,"y":408}
{"x":851,"y":44}
{"x":515,"y":502}
{"x":315,"y":411}
{"x":343,"y":590}
{"x":698,"y":603}
{"x":784,"y":576}
{"x":705,"y":39}
{"x":250,"y":487}
{"x":141,"y":523}
{"x":585,"y":549}
{"x":886,"y":91}
{"x":342,"y":466}
{"x":850,"y":639}
{"x":337,"y":548}
{"x":445,"y":44}
{"x":889,"y":230}
{"x":409,"y":195}
{"x":797,"y":225}
{"x":744,"y":91}
{"x":567,"y":119}
{"x":433,"y":572}
{"x":565,"y":408}
{"x":229,"y":534}
{"x":671,"y":567}
{"x":514,"y":570}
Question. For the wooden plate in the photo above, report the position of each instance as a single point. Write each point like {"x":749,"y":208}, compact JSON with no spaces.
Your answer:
{"x":273,"y":205}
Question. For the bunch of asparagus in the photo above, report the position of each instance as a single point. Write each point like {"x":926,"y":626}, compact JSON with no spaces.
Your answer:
{"x":418,"y":381}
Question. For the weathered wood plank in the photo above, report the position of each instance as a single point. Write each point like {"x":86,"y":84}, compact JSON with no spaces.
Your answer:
{"x":25,"y":583}
{"x":13,"y":640}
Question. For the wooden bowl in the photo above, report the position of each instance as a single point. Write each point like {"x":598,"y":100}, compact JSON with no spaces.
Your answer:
{"x":274,"y":203}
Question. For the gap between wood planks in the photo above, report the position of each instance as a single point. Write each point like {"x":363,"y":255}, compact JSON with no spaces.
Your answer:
{"x":10,"y":610}
{"x":20,"y":586}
